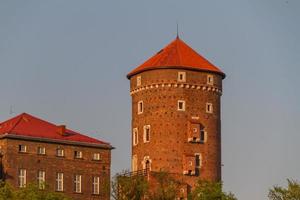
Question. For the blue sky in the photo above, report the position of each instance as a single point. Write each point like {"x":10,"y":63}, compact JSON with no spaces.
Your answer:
{"x":66,"y":61}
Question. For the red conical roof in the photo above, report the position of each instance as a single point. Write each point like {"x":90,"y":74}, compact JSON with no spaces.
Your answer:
{"x":177,"y":54}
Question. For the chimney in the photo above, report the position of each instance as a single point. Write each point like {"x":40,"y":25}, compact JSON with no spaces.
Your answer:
{"x":61,"y":130}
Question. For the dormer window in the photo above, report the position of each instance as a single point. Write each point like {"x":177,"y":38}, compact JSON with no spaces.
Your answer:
{"x":209,"y":108}
{"x":181,"y":77}
{"x":181,"y":105}
{"x":140,"y":107}
{"x":210,"y":80}
{"x":138,"y":81}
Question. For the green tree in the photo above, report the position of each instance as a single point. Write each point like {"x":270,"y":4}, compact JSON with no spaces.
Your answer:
{"x":292,"y":192}
{"x":207,"y":190}
{"x":165,"y":188}
{"x":31,"y":192}
{"x":128,"y":186}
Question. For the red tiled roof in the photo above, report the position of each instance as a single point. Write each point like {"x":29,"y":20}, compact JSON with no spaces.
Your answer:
{"x":177,"y":54}
{"x":28,"y":125}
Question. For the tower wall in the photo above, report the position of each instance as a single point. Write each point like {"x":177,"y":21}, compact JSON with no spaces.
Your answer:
{"x":170,"y":147}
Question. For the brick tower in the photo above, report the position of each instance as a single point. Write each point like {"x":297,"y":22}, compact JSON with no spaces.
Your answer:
{"x":176,"y":124}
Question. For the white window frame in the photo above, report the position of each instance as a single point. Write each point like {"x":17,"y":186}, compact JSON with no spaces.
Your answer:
{"x":209,"y":108}
{"x":78,"y":154}
{"x":140,"y":107}
{"x":60,"y":181}
{"x":138,"y":81}
{"x":147,"y":127}
{"x":22,"y":178}
{"x":77,"y":183}
{"x":96,"y":185}
{"x":41,"y":177}
{"x":183,"y":105}
{"x":22,"y":148}
{"x":41,"y":150}
{"x":210,"y":79}
{"x":60,"y":152}
{"x":96,"y":156}
{"x":135,"y":136}
{"x":181,"y":77}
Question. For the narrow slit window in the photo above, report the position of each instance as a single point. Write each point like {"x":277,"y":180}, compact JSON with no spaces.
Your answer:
{"x":147,"y":133}
{"x":135,"y":136}
{"x":140,"y":107}
{"x":181,"y":105}
{"x":138,"y":81}
{"x":209,"y":108}
{"x":181,"y":77}
{"x":210,"y":80}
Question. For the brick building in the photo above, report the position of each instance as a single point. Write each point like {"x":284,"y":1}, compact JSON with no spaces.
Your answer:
{"x":176,"y":124}
{"x":35,"y":151}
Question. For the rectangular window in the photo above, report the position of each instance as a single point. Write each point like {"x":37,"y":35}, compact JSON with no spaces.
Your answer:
{"x":135,"y":136}
{"x":77,"y":183}
{"x":202,"y":134}
{"x":181,"y":77}
{"x":210,"y":80}
{"x":146,"y":133}
{"x":138,"y":81}
{"x":22,"y":178}
{"x":209,"y":108}
{"x":41,"y":179}
{"x":96,"y":185}
{"x":96,"y":156}
{"x":181,"y":105}
{"x":78,"y":154}
{"x":198,"y":164}
{"x":60,"y":152}
{"x":41,"y":150}
{"x":22,"y":148}
{"x":140,"y":107}
{"x":59,"y":181}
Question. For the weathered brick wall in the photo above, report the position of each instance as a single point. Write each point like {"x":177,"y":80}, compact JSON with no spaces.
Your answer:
{"x":13,"y":160}
{"x":160,"y":91}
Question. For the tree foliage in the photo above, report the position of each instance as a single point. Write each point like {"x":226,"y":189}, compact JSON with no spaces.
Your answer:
{"x":207,"y":190}
{"x":31,"y":192}
{"x":292,"y":192}
{"x":166,"y":187}
{"x":126,"y":187}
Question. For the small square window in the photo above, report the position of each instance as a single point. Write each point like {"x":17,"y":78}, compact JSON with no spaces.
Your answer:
{"x":22,"y":148}
{"x":181,"y":77}
{"x":146,"y":133}
{"x":140,"y":107}
{"x":210,"y":80}
{"x":96,"y":156}
{"x":78,"y":154}
{"x":138,"y":81}
{"x":60,"y":152}
{"x":181,"y":105}
{"x":135,"y":136}
{"x":209,"y":108}
{"x":41,"y":150}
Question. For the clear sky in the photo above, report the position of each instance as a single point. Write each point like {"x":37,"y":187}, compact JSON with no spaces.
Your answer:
{"x":66,"y":62}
